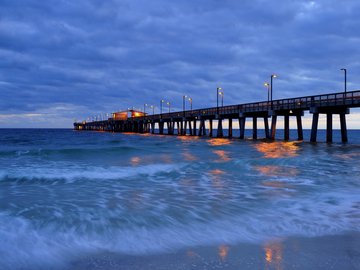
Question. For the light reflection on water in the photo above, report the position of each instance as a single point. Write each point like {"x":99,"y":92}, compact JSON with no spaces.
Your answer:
{"x":223,"y":156}
{"x":276,"y":170}
{"x":223,"y":252}
{"x":273,"y":255}
{"x":278,"y":149}
{"x":188,"y":156}
{"x":219,"y":141}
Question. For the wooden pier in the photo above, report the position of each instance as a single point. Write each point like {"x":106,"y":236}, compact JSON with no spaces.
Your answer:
{"x":193,"y":122}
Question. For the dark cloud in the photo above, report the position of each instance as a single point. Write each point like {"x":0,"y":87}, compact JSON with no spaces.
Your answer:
{"x":79,"y":58}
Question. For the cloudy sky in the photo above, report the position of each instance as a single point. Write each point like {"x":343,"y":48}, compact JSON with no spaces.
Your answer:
{"x":64,"y":60}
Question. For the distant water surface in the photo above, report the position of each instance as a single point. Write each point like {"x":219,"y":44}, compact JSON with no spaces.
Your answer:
{"x":65,"y":194}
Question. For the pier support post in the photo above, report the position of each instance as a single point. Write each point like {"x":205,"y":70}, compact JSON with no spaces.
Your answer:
{"x":299,"y":128}
{"x":329,"y":129}
{"x":185,"y":128}
{"x":202,"y":131}
{"x":242,"y":121}
{"x":190,"y":128}
{"x":219,"y":129}
{"x":152,"y":127}
{"x":178,"y":127}
{"x":273,"y":127}
{"x":254,"y":133}
{"x":161,"y":127}
{"x":230,"y":128}
{"x":210,"y":128}
{"x":266,"y":126}
{"x":194,"y":128}
{"x":286,"y":127}
{"x":344,"y":137}
{"x":314,"y":127}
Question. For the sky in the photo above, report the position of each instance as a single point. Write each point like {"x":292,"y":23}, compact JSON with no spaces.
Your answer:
{"x":68,"y":60}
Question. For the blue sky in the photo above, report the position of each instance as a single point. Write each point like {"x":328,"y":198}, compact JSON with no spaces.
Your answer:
{"x":66,"y":60}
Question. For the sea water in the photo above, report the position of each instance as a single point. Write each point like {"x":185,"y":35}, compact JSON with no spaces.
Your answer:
{"x":65,"y":194}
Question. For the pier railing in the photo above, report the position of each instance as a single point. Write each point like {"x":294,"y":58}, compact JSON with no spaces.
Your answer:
{"x":349,"y":99}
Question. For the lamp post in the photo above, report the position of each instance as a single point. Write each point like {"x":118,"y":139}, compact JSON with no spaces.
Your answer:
{"x":217,"y":99}
{"x":161,"y":102}
{"x":344,"y":69}
{"x":271,"y":87}
{"x":184,"y":104}
{"x":222,"y":98}
{"x":268,"y":88}
{"x":153,"y":108}
{"x":190,"y":100}
{"x":168,"y":103}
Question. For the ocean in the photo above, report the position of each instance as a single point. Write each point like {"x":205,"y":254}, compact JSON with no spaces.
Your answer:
{"x":66,"y":195}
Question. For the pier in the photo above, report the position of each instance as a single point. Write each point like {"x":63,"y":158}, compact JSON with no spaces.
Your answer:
{"x":194,"y":122}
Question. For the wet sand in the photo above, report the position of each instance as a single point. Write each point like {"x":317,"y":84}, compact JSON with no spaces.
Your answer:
{"x":327,"y":252}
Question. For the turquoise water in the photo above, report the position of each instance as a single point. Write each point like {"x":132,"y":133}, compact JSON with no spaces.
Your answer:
{"x":65,"y":194}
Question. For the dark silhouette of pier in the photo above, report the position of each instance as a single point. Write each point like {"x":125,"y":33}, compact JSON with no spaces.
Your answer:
{"x":193,"y":122}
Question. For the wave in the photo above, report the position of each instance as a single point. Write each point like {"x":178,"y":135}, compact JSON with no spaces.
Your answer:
{"x":73,"y":152}
{"x":70,"y":173}
{"x":26,"y":245}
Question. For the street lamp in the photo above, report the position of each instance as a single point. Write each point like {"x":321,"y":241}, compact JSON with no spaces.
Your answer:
{"x":190,"y":100}
{"x":271,"y":87}
{"x":161,"y":102}
{"x":222,"y":98}
{"x":217,"y":99}
{"x":268,"y":88}
{"x":153,"y":108}
{"x":184,"y":104}
{"x":344,"y":69}
{"x":168,"y":103}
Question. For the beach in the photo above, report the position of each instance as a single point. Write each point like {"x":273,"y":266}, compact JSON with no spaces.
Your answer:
{"x":327,"y":252}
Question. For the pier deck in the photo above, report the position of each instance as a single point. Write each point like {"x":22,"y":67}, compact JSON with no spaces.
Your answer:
{"x":186,"y":122}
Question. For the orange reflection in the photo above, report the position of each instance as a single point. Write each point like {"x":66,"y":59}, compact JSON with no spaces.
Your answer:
{"x":135,"y":161}
{"x":189,"y":157}
{"x":348,"y":156}
{"x":216,"y":180}
{"x":278,"y":149}
{"x":273,"y":255}
{"x":217,"y":172}
{"x":223,"y":252}
{"x":187,"y":138}
{"x":274,"y":184}
{"x":223,"y":155}
{"x":219,"y":141}
{"x":166,"y":159}
{"x":272,"y":170}
{"x":192,"y":254}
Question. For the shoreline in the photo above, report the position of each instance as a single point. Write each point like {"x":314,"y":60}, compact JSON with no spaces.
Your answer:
{"x":325,"y":252}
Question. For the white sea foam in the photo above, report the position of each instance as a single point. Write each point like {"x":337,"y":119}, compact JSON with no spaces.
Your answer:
{"x":27,"y":245}
{"x":72,"y":173}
